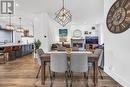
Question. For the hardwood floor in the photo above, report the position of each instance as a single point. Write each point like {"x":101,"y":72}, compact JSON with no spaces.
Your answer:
{"x":22,"y":73}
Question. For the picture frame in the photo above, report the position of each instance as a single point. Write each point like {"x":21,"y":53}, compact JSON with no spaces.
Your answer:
{"x":63,"y":33}
{"x":85,"y":32}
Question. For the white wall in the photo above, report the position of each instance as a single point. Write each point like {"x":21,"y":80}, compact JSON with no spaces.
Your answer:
{"x":100,"y":33}
{"x":54,"y":29}
{"x":16,"y":37}
{"x":5,"y":36}
{"x":27,"y":40}
{"x":117,"y":52}
{"x":41,"y":29}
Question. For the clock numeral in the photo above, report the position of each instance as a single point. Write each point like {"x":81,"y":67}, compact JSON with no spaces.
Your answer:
{"x":126,"y":23}
{"x":128,"y":11}
{"x":128,"y":19}
{"x":110,"y":15}
{"x":127,"y":6}
{"x":117,"y":4}
{"x":109,"y":24}
{"x":124,"y":2}
{"x":112,"y":28}
{"x":117,"y":29}
{"x":120,"y":2}
{"x":112,"y":10}
{"x":109,"y":20}
{"x":123,"y":25}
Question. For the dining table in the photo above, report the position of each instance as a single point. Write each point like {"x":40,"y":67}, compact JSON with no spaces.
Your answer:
{"x":91,"y":57}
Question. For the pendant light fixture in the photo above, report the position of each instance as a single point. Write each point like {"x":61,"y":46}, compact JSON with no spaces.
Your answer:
{"x":63,"y":16}
{"x":20,"y":26}
{"x":10,"y":26}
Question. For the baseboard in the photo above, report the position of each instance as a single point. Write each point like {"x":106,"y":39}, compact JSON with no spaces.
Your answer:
{"x":117,"y":78}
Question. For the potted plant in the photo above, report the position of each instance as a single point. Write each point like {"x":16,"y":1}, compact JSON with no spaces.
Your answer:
{"x":37,"y":44}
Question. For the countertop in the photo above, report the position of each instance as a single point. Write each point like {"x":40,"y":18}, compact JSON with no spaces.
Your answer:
{"x":13,"y":44}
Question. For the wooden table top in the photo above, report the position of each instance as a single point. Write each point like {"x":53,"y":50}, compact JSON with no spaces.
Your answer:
{"x":88,"y":52}
{"x":92,"y":56}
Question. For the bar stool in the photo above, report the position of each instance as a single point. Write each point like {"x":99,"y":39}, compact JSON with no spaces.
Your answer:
{"x":2,"y":58}
{"x":6,"y":52}
{"x":15,"y":49}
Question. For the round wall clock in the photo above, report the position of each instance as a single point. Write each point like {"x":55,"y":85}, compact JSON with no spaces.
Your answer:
{"x":118,"y":18}
{"x":77,"y":33}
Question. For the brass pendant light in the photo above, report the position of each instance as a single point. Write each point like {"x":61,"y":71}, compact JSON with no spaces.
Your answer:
{"x":63,"y":16}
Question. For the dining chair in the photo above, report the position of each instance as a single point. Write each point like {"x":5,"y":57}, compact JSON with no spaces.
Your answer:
{"x":75,"y":48}
{"x":100,"y":56}
{"x":79,"y":64}
{"x":61,"y":48}
{"x":99,"y":53}
{"x":40,"y":53}
{"x":58,"y":64}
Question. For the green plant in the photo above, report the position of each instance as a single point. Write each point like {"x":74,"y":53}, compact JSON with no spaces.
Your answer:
{"x":37,"y":44}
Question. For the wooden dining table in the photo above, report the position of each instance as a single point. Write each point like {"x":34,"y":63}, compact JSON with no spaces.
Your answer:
{"x":91,"y":57}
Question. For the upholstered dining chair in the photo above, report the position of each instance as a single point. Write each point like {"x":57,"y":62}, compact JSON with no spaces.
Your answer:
{"x":75,"y":48}
{"x":40,"y":53}
{"x":79,"y":64}
{"x":100,"y":57}
{"x":58,"y":64}
{"x":99,"y":53}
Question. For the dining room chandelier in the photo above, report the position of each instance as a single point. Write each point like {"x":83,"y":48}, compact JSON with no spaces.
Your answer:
{"x":63,"y":16}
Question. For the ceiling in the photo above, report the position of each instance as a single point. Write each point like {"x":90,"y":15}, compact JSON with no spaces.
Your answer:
{"x":80,"y":9}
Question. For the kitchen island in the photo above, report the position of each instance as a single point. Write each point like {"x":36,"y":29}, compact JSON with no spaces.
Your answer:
{"x":15,"y":51}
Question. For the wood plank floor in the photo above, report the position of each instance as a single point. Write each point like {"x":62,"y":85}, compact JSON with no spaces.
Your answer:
{"x":22,"y":72}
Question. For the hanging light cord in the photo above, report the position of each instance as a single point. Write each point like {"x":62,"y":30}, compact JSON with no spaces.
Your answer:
{"x":10,"y":19}
{"x":20,"y":22}
{"x":63,"y":3}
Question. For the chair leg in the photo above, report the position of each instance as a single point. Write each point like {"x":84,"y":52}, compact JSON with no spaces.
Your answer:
{"x":5,"y":57}
{"x":54,"y":75}
{"x":90,"y":71}
{"x":86,"y":78}
{"x":51,"y":77}
{"x":66,"y":78}
{"x":100,"y":73}
{"x":71,"y":76}
{"x":4,"y":60}
{"x":38,"y":72}
{"x":85,"y":75}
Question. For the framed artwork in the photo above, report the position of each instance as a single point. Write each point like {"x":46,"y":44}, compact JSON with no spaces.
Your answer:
{"x":63,"y":35}
{"x":63,"y":32}
{"x":85,"y":32}
{"x":90,"y":32}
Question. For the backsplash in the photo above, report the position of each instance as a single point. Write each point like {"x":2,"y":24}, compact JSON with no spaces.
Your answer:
{"x":5,"y":36}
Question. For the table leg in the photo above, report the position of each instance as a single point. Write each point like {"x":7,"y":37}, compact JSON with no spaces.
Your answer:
{"x":95,"y":73}
{"x":43,"y":73}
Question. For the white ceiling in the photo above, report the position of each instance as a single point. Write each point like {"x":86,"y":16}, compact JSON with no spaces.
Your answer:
{"x":80,"y":9}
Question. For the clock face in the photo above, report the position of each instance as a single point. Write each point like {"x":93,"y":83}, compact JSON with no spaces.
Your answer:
{"x":77,"y":33}
{"x":118,"y":18}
